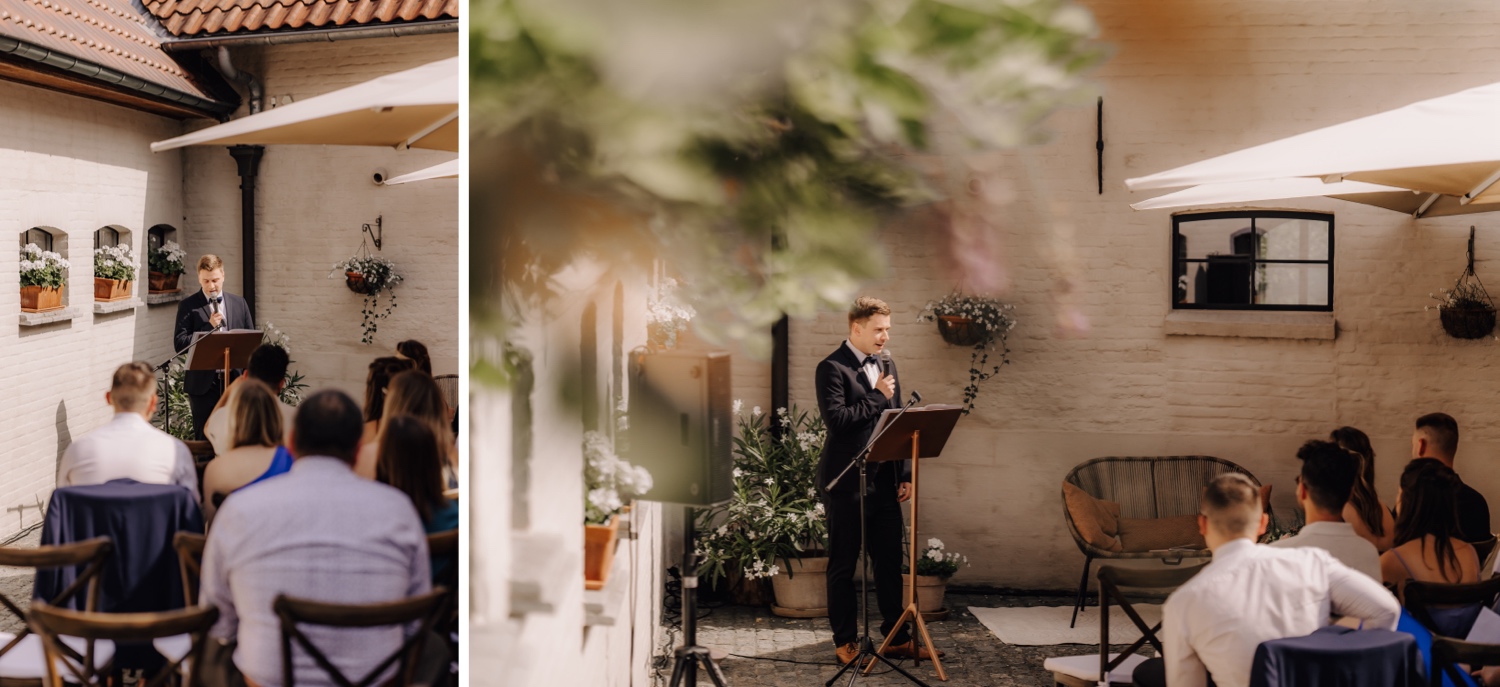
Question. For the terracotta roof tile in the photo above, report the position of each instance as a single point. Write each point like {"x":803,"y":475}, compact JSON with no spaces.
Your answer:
{"x":196,"y":18}
{"x":111,"y":33}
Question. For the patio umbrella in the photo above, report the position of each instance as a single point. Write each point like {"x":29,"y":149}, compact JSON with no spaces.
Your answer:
{"x":440,"y":171}
{"x":1388,"y":197}
{"x":417,"y":108}
{"x":1445,"y":146}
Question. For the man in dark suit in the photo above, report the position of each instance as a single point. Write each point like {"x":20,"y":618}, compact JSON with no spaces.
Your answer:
{"x":205,"y":311}
{"x":853,"y":390}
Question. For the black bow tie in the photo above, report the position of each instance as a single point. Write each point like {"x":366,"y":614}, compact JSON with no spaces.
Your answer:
{"x":217,"y":299}
{"x":872,"y":360}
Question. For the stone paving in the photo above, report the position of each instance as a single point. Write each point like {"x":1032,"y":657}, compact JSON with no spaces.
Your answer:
{"x":15,"y":584}
{"x":786,"y":651}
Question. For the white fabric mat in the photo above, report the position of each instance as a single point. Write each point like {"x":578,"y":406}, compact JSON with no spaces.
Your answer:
{"x":1048,"y":625}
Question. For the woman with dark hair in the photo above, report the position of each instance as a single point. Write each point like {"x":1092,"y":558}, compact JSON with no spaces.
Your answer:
{"x":1364,"y":511}
{"x":376,"y":380}
{"x":415,"y":351}
{"x":416,"y":394}
{"x":1428,"y":547}
{"x":411,"y":459}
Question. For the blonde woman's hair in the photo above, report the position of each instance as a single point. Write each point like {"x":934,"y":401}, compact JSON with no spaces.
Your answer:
{"x":415,"y":393}
{"x":255,"y":417}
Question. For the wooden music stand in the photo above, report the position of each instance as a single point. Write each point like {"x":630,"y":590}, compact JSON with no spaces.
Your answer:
{"x":225,"y":351}
{"x":919,"y":433}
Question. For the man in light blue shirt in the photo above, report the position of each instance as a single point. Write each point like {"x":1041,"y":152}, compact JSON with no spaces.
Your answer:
{"x":318,"y":532}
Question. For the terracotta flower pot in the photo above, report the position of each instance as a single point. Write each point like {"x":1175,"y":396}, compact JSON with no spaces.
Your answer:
{"x":802,"y":589}
{"x":930,"y":592}
{"x":111,"y":289}
{"x":163,"y":283}
{"x":40,"y":299}
{"x":599,"y":552}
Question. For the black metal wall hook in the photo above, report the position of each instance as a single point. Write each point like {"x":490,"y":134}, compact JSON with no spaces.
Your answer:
{"x":376,"y":232}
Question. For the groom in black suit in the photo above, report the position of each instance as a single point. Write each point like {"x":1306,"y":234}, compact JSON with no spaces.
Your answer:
{"x":206,"y":311}
{"x":853,"y":390}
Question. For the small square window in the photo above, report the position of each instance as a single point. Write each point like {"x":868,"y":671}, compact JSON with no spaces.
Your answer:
{"x":41,"y":237}
{"x":106,"y":237}
{"x":1252,"y":260}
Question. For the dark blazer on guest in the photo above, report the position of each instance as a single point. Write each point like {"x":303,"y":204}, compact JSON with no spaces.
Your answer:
{"x":192,"y":317}
{"x":851,"y":407}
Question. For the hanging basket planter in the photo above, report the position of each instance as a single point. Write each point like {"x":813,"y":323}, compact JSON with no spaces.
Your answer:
{"x":357,"y":283}
{"x":1466,"y":310}
{"x":368,"y":276}
{"x":961,"y":331}
{"x":979,"y":323}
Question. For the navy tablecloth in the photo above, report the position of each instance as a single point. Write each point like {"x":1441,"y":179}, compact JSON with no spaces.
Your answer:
{"x":142,"y":574}
{"x":1337,"y":656}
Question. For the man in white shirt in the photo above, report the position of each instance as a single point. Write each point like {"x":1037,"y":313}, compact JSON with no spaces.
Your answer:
{"x":129,"y":447}
{"x":1327,"y":479}
{"x":268,"y":363}
{"x":1250,"y":593}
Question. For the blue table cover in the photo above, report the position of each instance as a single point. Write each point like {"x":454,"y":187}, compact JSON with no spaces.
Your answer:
{"x":1337,"y":656}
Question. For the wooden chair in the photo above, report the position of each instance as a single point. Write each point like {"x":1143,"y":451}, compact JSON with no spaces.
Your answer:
{"x":1422,"y":598}
{"x":92,"y":555}
{"x":1111,"y":579}
{"x":52,"y":623}
{"x":425,"y":610}
{"x":1485,"y":549}
{"x":1448,"y":655}
{"x":445,"y":545}
{"x":189,"y":548}
{"x":1145,"y":487}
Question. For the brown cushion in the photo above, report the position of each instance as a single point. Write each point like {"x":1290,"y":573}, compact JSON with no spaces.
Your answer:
{"x":1152,"y":534}
{"x":1265,"y":497}
{"x":1096,"y":520}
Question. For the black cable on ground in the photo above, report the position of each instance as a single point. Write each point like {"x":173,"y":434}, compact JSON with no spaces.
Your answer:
{"x":811,"y":663}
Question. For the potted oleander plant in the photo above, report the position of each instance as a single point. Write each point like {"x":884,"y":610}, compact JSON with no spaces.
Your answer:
{"x":165,"y":262}
{"x":43,"y":274}
{"x":980,"y":323}
{"x":368,"y":276}
{"x":114,"y":272}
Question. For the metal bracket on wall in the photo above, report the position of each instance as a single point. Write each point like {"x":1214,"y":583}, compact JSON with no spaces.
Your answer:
{"x":376,"y":232}
{"x":1099,"y":143}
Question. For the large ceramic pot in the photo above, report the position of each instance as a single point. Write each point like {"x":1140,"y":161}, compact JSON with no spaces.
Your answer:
{"x":599,"y":552}
{"x":111,"y":289}
{"x":163,"y":283}
{"x":802,"y":589}
{"x":930,"y":592}
{"x":40,"y":299}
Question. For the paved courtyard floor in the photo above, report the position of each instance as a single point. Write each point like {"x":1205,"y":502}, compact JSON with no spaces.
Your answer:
{"x":764,"y":649}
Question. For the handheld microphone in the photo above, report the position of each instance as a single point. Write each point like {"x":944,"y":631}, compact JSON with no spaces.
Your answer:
{"x":885,"y":362}
{"x":916,"y":397}
{"x":213,"y":307}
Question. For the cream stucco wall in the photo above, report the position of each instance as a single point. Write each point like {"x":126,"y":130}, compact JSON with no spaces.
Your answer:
{"x":1189,"y":80}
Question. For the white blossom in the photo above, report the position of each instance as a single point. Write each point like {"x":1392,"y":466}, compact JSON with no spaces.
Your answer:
{"x":935,"y":543}
{"x":738,"y":406}
{"x":755,"y":411}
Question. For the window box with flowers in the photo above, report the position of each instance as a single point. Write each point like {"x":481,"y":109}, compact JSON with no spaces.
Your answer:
{"x":774,"y":523}
{"x":114,"y":273}
{"x":166,"y":267}
{"x":979,"y":323}
{"x":609,"y":483}
{"x":43,"y":274}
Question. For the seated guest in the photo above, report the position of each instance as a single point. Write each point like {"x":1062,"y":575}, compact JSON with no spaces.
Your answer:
{"x":376,"y":380}
{"x":255,"y":455}
{"x":1212,"y":624}
{"x":415,"y":394}
{"x":268,"y":365}
{"x":1328,"y":477}
{"x":1436,"y":437}
{"x":1428,"y":546}
{"x":416,"y":352}
{"x":411,"y":459}
{"x":128,"y":447}
{"x":321,"y":533}
{"x":1370,"y":518}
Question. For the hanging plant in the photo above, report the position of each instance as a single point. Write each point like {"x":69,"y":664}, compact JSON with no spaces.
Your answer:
{"x":978,"y":322}
{"x":369,"y":275}
{"x":1466,"y":310}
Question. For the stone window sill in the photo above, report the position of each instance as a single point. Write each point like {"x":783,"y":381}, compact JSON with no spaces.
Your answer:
{"x":117,"y":306}
{"x":1247,"y":324}
{"x":168,"y":297}
{"x":605,"y":606}
{"x":539,"y":569}
{"x":36,"y":319}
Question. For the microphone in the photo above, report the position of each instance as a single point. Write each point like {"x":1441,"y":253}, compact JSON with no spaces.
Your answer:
{"x":885,"y":362}
{"x":916,"y":397}
{"x":213,"y":307}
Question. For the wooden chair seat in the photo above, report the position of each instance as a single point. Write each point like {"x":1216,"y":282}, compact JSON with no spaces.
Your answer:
{"x":53,"y":623}
{"x":22,"y":659}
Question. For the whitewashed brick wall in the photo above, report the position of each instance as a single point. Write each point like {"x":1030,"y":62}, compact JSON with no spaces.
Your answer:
{"x":311,"y":201}
{"x":1189,"y":80}
{"x":73,"y":165}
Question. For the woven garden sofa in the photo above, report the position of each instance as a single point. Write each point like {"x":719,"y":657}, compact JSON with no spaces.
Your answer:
{"x":1140,"y":508}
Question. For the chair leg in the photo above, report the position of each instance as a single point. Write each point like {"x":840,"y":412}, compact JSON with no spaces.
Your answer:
{"x":1083,"y":586}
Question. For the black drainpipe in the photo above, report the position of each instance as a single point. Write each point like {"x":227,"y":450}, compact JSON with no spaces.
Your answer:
{"x":248,"y":158}
{"x":781,"y":364}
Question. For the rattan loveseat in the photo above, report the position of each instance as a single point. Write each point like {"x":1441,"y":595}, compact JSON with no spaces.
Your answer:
{"x":1165,"y":488}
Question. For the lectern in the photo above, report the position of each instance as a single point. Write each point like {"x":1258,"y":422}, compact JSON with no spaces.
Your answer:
{"x":224,"y":351}
{"x":918,"y":433}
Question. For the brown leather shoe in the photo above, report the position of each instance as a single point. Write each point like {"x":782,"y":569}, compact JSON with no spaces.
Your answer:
{"x":910,"y":650}
{"x":846,"y":653}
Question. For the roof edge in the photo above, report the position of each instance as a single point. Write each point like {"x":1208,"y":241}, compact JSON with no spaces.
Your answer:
{"x":92,"y":71}
{"x":314,"y":35}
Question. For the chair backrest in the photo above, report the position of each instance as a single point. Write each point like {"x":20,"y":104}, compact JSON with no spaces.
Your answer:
{"x":1422,"y":598}
{"x":51,"y":623}
{"x":1484,"y":549}
{"x":424,"y":609}
{"x":1151,"y":486}
{"x":1448,"y":654}
{"x":448,"y":384}
{"x":1111,"y":579}
{"x":189,"y":546}
{"x":90,"y":554}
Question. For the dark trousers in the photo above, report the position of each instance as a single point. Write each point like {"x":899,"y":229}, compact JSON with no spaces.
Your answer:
{"x":1153,"y":673}
{"x":883,"y":515}
{"x":203,"y":406}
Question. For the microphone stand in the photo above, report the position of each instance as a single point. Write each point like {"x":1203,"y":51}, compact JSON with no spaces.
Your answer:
{"x":866,"y":646}
{"x":166,"y":421}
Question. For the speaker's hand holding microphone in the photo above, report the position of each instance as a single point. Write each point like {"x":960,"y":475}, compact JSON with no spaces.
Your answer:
{"x":215,"y":310}
{"x":887,"y":382}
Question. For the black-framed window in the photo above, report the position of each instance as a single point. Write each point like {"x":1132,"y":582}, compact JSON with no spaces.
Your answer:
{"x":106,"y":237}
{"x":158,"y":235}
{"x":1252,"y":260}
{"x":41,"y":237}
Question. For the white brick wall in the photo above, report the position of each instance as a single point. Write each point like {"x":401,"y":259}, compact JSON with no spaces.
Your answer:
{"x":1188,"y":81}
{"x":311,"y":201}
{"x":74,"y":165}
